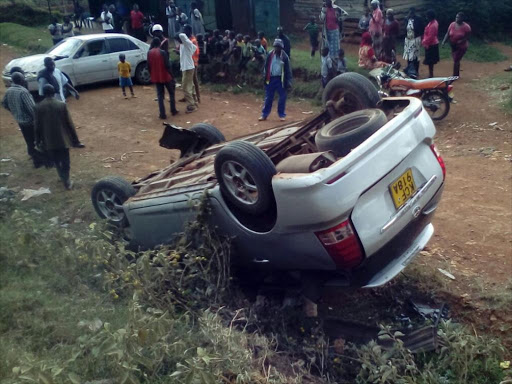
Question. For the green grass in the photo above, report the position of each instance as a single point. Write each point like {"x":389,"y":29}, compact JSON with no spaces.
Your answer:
{"x":499,"y":88}
{"x":26,"y":39}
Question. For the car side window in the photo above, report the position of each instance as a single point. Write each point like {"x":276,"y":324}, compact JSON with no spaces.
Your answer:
{"x":119,"y":44}
{"x":93,"y":48}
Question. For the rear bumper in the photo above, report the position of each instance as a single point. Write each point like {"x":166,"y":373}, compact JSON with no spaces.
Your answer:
{"x":392,"y":259}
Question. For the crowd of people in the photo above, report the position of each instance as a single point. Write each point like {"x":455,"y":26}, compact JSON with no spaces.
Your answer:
{"x":380,"y":35}
{"x":48,"y":129}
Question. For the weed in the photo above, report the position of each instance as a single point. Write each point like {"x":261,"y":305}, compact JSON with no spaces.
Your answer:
{"x":27,"y":39}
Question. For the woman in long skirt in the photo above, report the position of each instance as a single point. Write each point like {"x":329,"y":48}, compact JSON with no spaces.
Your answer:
{"x":431,"y":42}
{"x":375,"y":29}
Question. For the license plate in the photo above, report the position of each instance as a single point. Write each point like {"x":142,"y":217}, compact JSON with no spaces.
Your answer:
{"x":402,"y":188}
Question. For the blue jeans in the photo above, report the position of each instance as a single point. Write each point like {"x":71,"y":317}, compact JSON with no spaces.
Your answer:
{"x":274,"y":85}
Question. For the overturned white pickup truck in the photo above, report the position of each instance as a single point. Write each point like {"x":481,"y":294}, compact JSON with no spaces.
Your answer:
{"x":347,"y":195}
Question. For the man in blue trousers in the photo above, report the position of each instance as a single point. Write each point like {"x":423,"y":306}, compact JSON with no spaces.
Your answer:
{"x":278,"y":77}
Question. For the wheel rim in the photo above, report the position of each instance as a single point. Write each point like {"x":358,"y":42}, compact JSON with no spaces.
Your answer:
{"x":239,"y":182}
{"x":110,"y":205}
{"x":435,"y":105}
{"x":144,"y":74}
{"x":344,"y":102}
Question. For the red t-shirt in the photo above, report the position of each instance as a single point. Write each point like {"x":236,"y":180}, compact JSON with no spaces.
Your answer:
{"x":331,"y":21}
{"x":458,"y":32}
{"x":158,"y":70}
{"x":137,"y":19}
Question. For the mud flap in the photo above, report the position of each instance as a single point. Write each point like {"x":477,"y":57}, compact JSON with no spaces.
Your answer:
{"x":178,"y":138}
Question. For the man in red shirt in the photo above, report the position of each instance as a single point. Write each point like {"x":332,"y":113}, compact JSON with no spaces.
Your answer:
{"x":137,"y":19}
{"x":160,"y":70}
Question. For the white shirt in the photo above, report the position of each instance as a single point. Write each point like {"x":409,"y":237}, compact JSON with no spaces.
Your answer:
{"x":106,"y":16}
{"x":61,"y":79}
{"x":187,"y":49}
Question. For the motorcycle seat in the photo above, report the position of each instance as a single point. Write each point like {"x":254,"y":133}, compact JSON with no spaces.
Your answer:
{"x":432,"y":83}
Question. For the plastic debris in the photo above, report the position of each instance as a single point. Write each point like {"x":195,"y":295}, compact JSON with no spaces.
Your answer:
{"x":446,"y":273}
{"x":5,"y":160}
{"x":29,"y":193}
{"x":5,"y":174}
{"x":493,"y":124}
{"x":54,"y":220}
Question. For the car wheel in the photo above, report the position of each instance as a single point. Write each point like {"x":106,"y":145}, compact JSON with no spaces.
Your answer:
{"x":245,"y":173}
{"x":108,"y":196}
{"x":348,"y":93}
{"x":208,"y":134}
{"x":347,"y":132}
{"x":142,"y":75}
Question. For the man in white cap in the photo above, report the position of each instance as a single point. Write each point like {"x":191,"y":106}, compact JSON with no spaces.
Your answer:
{"x":278,"y":77}
{"x":158,"y":31}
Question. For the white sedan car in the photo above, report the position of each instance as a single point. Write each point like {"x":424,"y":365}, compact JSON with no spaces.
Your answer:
{"x":87,"y":59}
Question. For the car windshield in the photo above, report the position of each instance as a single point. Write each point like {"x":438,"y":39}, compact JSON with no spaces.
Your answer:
{"x":65,"y":48}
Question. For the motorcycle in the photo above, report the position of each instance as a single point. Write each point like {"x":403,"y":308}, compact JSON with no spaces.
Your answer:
{"x":436,"y":93}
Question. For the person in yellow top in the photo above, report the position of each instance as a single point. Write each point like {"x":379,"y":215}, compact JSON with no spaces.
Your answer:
{"x":124,"y":68}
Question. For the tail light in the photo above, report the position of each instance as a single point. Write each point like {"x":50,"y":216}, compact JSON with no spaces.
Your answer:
{"x":342,"y":244}
{"x":439,"y":159}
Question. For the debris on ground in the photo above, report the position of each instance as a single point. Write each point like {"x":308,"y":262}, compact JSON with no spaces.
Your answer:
{"x":54,"y":220}
{"x":446,"y":273}
{"x":5,"y":160}
{"x":5,"y":174}
{"x":29,"y":193}
{"x":6,"y":194}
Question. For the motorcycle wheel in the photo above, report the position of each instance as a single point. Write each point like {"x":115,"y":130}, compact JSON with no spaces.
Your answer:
{"x":436,"y":103}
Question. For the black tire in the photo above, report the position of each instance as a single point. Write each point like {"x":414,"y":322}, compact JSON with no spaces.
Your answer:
{"x":108,"y":196}
{"x":435,"y":101}
{"x":347,"y":132}
{"x":209,"y":134}
{"x":357,"y":91}
{"x":250,"y":191}
{"x":142,"y":75}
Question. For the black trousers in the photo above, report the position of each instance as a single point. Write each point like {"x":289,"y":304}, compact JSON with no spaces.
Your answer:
{"x":62,"y":162}
{"x":160,"y":93}
{"x":27,"y":129}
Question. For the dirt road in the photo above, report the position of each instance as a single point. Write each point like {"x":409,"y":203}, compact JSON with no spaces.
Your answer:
{"x":473,"y":224}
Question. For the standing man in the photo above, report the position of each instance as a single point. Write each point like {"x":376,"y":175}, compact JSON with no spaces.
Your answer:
{"x":55,"y":132}
{"x":187,"y":51}
{"x":20,"y":103}
{"x":55,"y":29}
{"x":170,"y":12}
{"x":277,"y":74}
{"x":160,"y":70}
{"x":53,"y":76}
{"x":331,"y":15}
{"x":158,"y":31}
{"x":195,"y":57}
{"x":107,"y":22}
{"x":287,"y":46}
{"x":137,"y":23}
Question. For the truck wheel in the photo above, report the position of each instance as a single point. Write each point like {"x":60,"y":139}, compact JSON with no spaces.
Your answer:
{"x":245,"y":175}
{"x":348,"y":93}
{"x":142,"y":75}
{"x":347,"y":132}
{"x":108,"y":196}
{"x":208,"y":134}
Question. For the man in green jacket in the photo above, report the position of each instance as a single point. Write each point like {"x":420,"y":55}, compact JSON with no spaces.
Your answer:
{"x":55,"y":132}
